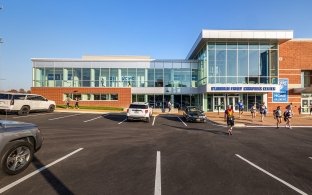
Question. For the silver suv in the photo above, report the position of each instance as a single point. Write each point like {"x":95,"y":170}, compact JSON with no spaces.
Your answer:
{"x":18,"y":143}
{"x":24,"y":103}
{"x":139,"y":111}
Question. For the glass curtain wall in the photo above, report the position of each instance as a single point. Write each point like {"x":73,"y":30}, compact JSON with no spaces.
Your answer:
{"x":160,"y":74}
{"x":238,"y":62}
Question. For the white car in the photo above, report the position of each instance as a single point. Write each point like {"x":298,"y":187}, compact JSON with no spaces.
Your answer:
{"x":139,"y":111}
{"x":22,"y":104}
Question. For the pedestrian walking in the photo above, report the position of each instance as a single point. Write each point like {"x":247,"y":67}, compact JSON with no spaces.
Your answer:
{"x":240,"y":108}
{"x":278,"y":116}
{"x":253,"y":111}
{"x":289,"y":106}
{"x":229,"y":117}
{"x":263,"y":111}
{"x":169,"y":106}
{"x":288,"y":114}
{"x":67,"y":102}
{"x":76,"y":103}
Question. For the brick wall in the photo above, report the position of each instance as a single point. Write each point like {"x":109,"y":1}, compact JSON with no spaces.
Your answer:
{"x":294,"y":56}
{"x":56,"y":94}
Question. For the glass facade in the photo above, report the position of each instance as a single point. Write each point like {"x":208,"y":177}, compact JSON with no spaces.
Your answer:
{"x":238,"y":63}
{"x":159,"y":74}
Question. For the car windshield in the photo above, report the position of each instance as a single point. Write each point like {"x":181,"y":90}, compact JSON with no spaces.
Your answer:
{"x":139,"y":106}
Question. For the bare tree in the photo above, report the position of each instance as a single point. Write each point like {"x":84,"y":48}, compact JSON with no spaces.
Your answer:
{"x":13,"y":90}
{"x":22,"y":90}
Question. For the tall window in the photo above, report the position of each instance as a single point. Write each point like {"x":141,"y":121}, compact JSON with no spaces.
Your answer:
{"x":239,"y":62}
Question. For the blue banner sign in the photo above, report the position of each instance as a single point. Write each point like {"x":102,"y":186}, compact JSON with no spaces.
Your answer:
{"x":281,"y":96}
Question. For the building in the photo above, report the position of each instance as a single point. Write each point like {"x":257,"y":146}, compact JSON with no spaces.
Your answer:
{"x":222,"y":68}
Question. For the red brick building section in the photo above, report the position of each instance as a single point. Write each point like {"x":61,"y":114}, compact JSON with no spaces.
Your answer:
{"x":56,"y":94}
{"x":294,"y":56}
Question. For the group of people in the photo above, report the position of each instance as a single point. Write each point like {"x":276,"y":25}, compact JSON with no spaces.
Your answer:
{"x":287,"y":115}
{"x":278,"y":115}
{"x":67,"y":102}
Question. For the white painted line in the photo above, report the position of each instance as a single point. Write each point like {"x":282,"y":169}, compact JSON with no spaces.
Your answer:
{"x":181,"y":121}
{"x":154,"y":120}
{"x":63,"y":117}
{"x":310,"y":158}
{"x":35,"y":172}
{"x":266,"y":172}
{"x":31,"y":115}
{"x":122,"y":121}
{"x":93,"y":119}
{"x":157,"y":190}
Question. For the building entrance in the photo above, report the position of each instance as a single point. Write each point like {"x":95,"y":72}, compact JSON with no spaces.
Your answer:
{"x":220,"y":104}
{"x":233,"y":100}
{"x":306,"y":104}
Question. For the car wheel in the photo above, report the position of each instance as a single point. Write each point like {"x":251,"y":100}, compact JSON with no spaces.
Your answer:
{"x":147,"y":119}
{"x":51,"y":108}
{"x":24,"y":111}
{"x":18,"y":155}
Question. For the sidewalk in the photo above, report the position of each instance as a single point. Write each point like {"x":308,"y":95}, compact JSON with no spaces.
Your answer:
{"x":246,"y":120}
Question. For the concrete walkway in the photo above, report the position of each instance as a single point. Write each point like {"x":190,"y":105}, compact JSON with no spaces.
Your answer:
{"x":246,"y":120}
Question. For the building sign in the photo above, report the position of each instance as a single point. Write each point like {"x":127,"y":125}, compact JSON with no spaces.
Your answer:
{"x":281,"y":96}
{"x":242,"y":88}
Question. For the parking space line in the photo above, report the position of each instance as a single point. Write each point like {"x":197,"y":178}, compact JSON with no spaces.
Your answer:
{"x":122,"y":121}
{"x":154,"y":120}
{"x":157,"y":190}
{"x":37,"y":171}
{"x":182,"y":121}
{"x":51,"y":119}
{"x":93,"y":119}
{"x":31,"y":115}
{"x":273,"y":176}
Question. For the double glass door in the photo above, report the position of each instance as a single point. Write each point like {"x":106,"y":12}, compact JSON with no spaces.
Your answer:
{"x":233,"y":100}
{"x":220,"y":102}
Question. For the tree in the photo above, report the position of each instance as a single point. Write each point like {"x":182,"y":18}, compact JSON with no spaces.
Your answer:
{"x":22,"y":90}
{"x":13,"y":91}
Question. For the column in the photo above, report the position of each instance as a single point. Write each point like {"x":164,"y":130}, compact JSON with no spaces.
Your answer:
{"x":120,"y":84}
{"x":92,"y":77}
{"x":145,"y":77}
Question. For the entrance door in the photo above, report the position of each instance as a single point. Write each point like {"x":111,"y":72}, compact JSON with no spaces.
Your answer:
{"x":306,"y":104}
{"x":219,"y":103}
{"x":233,"y":100}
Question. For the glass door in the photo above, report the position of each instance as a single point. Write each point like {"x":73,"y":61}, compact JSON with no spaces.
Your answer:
{"x":218,"y":103}
{"x":305,"y":106}
{"x":233,"y":100}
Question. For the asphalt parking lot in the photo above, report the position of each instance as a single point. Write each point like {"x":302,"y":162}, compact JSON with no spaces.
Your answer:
{"x":104,"y":154}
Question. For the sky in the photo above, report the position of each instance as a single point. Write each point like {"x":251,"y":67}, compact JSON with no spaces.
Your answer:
{"x":162,"y":29}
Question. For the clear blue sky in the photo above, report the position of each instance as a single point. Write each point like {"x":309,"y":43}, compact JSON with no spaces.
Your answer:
{"x":162,"y":29}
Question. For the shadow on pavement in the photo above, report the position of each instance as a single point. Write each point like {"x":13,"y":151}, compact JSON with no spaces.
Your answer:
{"x":115,"y":117}
{"x":217,"y":132}
{"x":57,"y":184}
{"x":171,"y":117}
